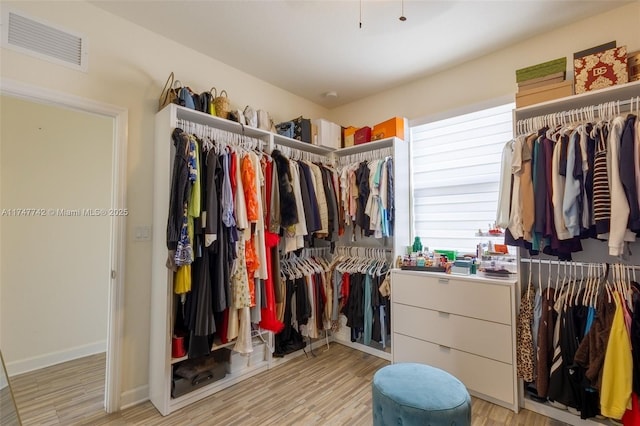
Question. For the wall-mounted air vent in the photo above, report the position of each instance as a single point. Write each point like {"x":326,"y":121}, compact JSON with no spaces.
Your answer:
{"x":43,"y":40}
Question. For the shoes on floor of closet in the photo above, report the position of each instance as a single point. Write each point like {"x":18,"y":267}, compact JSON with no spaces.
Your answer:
{"x":557,"y":404}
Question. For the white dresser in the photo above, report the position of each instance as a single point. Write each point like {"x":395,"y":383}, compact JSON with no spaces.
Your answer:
{"x":463,"y":325}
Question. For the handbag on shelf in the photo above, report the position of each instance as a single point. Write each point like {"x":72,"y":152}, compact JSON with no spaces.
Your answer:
{"x":205,"y":103}
{"x":186,"y":98}
{"x":285,"y":129}
{"x":302,"y":129}
{"x":265,"y":122}
{"x":236,"y":115}
{"x":250,"y":116}
{"x":222,"y":104}
{"x":169,"y":94}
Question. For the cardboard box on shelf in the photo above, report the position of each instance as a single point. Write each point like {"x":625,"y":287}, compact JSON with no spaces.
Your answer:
{"x":327,"y":133}
{"x":633,"y":61}
{"x":543,"y":94}
{"x":394,"y":127}
{"x":558,"y":77}
{"x":541,"y":70}
{"x":349,"y":136}
{"x":595,"y":49}
{"x":363,"y":135}
{"x":602,"y":69}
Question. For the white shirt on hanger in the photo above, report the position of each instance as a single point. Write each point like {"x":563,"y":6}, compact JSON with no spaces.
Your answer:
{"x":504,"y":196}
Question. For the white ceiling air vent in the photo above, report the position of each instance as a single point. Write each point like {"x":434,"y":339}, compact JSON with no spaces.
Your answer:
{"x":44,"y":41}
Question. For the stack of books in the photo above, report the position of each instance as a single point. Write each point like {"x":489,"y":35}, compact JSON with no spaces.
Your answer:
{"x":542,"y":82}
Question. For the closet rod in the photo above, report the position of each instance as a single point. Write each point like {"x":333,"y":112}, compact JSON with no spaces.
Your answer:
{"x":571,"y":262}
{"x":376,"y":154}
{"x":297,"y":154}
{"x":309,"y":251}
{"x":365,"y":252}
{"x":385,"y":249}
{"x":585,"y":113}
{"x":230,"y":138}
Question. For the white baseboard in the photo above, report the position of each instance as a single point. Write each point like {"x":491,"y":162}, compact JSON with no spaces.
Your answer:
{"x":46,"y":360}
{"x":134,"y":397}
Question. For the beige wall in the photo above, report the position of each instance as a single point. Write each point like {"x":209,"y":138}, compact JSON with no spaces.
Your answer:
{"x":493,"y":76}
{"x":54,"y":269}
{"x":127,"y":67}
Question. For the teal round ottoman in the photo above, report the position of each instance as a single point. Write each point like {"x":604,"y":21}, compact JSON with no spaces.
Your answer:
{"x":417,"y":394}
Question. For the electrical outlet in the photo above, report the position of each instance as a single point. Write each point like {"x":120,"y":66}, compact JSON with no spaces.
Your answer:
{"x":142,"y":233}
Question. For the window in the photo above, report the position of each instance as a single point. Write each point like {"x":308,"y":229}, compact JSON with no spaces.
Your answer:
{"x":456,"y":176}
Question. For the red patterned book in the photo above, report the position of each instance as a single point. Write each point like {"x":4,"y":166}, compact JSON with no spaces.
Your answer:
{"x":602,"y":69}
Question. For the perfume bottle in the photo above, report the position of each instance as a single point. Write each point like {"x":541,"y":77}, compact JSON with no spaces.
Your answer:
{"x":417,"y":245}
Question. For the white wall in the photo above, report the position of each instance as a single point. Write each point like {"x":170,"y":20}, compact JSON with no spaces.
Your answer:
{"x":55,"y":269}
{"x":127,"y":67}
{"x":493,"y":76}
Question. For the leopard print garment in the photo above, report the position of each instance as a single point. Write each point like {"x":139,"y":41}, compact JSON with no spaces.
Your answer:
{"x":525,"y":351}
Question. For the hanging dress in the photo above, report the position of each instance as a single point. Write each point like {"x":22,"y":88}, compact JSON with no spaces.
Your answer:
{"x":525,"y":352}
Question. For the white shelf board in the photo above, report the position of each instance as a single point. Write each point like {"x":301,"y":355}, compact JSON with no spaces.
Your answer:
{"x":228,"y":380}
{"x":562,"y":415}
{"x":217,"y":122}
{"x":366,"y":147}
{"x":300,"y":145}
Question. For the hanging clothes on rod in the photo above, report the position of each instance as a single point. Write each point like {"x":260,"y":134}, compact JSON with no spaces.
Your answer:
{"x":367,"y":188}
{"x":219,"y":245}
{"x":584,"y":359}
{"x":308,"y":197}
{"x":358,"y":276}
{"x":307,"y":299}
{"x":570,"y":176}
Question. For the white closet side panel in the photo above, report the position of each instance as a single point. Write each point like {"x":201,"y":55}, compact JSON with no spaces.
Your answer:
{"x":403,"y":196}
{"x":162,"y":296}
{"x":161,"y":277}
{"x":401,"y":233}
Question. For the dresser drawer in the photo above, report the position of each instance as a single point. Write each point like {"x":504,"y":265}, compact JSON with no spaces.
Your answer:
{"x":482,"y":375}
{"x":485,"y":338}
{"x":491,"y":302}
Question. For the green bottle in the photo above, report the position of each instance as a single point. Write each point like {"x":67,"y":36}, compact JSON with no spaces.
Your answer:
{"x":417,"y":245}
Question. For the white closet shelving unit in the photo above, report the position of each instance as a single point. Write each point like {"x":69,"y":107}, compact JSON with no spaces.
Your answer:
{"x":162,"y":298}
{"x":593,"y":251}
{"x":401,"y":229}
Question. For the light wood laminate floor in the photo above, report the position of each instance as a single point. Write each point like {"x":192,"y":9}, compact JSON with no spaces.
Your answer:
{"x":333,"y":388}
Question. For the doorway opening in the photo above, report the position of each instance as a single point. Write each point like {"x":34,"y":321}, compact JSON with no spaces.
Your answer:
{"x":62,"y":231}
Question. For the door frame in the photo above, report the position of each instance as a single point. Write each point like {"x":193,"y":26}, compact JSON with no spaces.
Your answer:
{"x":120,"y":115}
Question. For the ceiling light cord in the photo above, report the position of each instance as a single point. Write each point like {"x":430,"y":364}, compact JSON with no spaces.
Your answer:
{"x":402,"y":17}
{"x":360,"y":14}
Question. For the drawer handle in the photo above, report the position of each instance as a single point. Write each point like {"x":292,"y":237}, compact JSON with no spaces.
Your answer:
{"x":446,"y":348}
{"x":443,"y":314}
{"x":443,"y":280}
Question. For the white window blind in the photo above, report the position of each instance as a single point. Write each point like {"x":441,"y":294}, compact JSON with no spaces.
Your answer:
{"x":456,"y":176}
